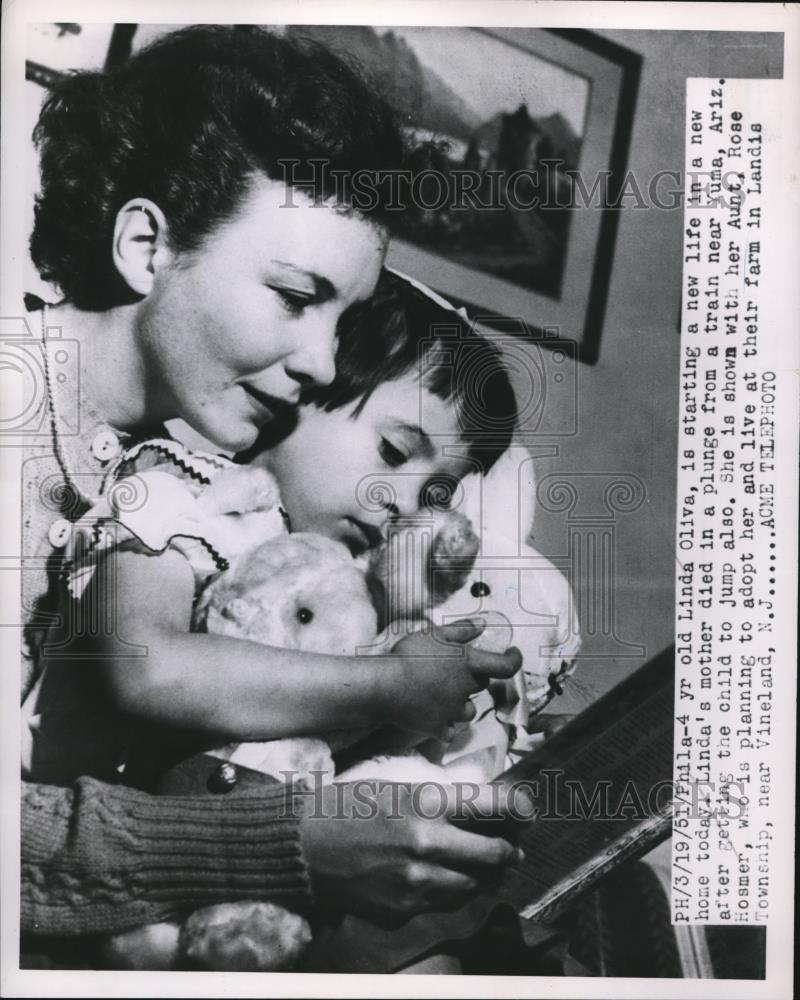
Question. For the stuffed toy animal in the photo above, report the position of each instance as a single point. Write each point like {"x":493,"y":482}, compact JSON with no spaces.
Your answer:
{"x":298,"y":591}
{"x":306,"y":592}
{"x":517,"y":592}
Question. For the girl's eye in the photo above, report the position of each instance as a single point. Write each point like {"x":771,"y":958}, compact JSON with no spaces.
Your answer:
{"x":391,"y":455}
{"x":305,"y":616}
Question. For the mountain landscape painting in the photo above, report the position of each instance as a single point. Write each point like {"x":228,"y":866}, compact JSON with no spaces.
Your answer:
{"x":473,"y":103}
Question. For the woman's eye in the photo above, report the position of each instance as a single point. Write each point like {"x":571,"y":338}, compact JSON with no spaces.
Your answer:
{"x":305,"y":615}
{"x":292,"y":302}
{"x":392,"y":455}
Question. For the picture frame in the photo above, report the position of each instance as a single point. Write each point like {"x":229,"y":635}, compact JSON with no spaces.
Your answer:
{"x":575,"y":313}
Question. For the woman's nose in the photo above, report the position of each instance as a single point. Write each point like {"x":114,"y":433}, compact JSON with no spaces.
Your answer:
{"x":314,"y":360}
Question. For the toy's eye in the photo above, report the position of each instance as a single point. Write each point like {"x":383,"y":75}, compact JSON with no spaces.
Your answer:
{"x":438,"y":493}
{"x":480,"y":589}
{"x":305,"y":615}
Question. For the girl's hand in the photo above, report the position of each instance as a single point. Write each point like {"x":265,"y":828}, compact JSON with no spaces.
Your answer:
{"x":437,"y":672}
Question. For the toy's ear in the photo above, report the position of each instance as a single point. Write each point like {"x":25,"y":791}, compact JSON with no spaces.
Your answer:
{"x":503,"y":502}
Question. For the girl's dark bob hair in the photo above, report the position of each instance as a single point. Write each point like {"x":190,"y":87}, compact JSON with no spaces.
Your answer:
{"x":186,"y":122}
{"x":401,"y":330}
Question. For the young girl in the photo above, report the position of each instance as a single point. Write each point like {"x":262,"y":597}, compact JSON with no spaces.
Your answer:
{"x":140,"y":686}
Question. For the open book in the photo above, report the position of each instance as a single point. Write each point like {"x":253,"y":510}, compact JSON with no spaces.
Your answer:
{"x":603,"y":789}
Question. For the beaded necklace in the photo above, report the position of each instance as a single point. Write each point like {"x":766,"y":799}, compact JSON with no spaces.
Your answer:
{"x":53,"y":416}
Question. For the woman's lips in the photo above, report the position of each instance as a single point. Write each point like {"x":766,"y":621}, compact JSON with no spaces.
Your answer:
{"x":271,"y":407}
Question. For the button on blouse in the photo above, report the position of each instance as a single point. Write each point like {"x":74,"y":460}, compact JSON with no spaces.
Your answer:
{"x":105,"y":445}
{"x":59,"y":533}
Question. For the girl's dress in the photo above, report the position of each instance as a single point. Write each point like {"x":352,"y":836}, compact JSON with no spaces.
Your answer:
{"x":200,"y":504}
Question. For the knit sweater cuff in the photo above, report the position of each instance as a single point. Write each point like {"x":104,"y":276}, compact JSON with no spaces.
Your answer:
{"x":111,"y":857}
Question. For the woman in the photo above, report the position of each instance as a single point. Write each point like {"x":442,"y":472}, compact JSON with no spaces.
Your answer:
{"x":198,"y":285}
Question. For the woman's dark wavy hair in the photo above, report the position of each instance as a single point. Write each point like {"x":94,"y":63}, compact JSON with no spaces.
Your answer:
{"x":186,"y":122}
{"x":402,"y":330}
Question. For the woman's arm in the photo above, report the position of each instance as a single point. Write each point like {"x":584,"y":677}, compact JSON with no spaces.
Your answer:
{"x":234,"y":689}
{"x":100,"y":858}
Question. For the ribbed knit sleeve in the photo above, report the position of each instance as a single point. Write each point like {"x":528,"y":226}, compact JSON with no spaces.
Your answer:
{"x":100,"y":858}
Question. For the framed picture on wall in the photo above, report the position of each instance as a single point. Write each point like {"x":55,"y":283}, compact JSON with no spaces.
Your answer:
{"x":542,"y":119}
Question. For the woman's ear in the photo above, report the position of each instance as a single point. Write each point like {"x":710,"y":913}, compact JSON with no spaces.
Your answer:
{"x":140,"y":243}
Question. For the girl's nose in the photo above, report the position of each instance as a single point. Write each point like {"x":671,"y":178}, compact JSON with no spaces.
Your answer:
{"x":406,"y":493}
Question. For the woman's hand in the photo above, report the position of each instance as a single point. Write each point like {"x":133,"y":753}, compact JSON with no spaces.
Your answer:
{"x":381,"y":849}
{"x":437,"y":672}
